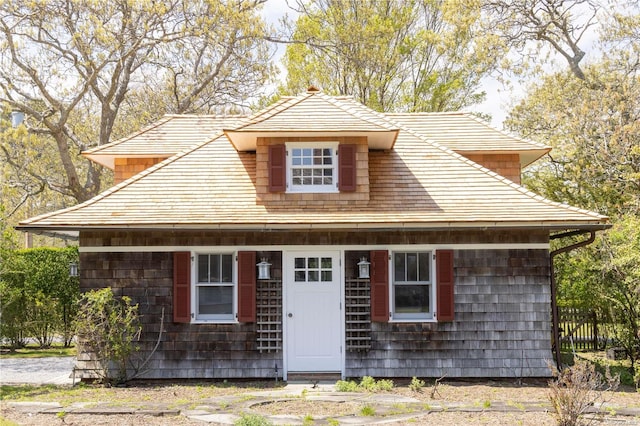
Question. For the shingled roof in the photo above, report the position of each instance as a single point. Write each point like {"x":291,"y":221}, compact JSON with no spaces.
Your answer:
{"x":314,"y":113}
{"x":417,"y":184}
{"x":465,"y":133}
{"x":164,"y":138}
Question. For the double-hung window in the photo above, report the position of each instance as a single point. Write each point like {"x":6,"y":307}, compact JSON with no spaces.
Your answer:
{"x":312,"y":167}
{"x":412,"y":289}
{"x":215,"y":287}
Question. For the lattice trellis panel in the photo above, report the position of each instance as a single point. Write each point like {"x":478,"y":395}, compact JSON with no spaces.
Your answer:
{"x":358,"y":314}
{"x":269,"y":315}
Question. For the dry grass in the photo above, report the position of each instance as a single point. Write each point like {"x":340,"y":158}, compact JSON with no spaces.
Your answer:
{"x":482,"y":397}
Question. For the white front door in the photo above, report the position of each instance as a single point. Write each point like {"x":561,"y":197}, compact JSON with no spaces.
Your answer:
{"x":312,"y":311}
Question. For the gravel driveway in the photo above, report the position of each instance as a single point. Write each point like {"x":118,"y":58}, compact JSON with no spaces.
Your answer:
{"x":37,"y":371}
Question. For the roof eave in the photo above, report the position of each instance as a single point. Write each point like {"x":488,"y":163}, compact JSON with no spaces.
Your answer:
{"x":73,"y":230}
{"x":527,"y":156}
{"x":245,"y":141}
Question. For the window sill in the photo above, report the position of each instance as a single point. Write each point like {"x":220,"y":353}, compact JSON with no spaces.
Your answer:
{"x":405,"y":320}
{"x":230,"y":321}
{"x":313,"y":191}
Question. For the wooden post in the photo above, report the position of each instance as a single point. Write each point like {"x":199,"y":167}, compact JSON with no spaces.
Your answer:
{"x":595,"y":331}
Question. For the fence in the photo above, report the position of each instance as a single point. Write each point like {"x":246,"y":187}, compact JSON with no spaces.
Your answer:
{"x":578,"y":329}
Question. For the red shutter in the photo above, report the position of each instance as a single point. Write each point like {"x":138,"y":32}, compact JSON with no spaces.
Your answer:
{"x":247,"y":286}
{"x":277,"y":168}
{"x":380,"y":286}
{"x":182,"y":286}
{"x":347,"y":167}
{"x":444,"y":283}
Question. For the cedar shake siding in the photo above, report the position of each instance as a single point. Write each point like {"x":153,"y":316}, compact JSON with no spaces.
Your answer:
{"x":500,"y":327}
{"x":507,"y":165}
{"x":124,"y":168}
{"x":279,"y":238}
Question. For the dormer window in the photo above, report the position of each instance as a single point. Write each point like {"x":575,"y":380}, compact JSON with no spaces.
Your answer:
{"x":312,"y":167}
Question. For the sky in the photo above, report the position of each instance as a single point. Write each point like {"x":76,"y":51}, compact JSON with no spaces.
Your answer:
{"x":499,"y":98}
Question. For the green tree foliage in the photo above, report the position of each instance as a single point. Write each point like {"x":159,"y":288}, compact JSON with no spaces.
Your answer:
{"x":108,"y":328}
{"x":620,"y":284}
{"x":417,"y":55}
{"x":38,"y":297}
{"x":592,"y":120}
{"x":595,"y":162}
{"x":87,"y":72}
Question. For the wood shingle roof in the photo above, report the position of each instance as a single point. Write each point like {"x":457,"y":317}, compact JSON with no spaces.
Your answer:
{"x":465,"y":133}
{"x":417,"y":184}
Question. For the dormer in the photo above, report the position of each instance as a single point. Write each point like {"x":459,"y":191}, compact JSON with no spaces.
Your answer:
{"x":313,"y":149}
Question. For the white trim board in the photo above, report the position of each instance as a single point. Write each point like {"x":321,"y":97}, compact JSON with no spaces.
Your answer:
{"x":480,"y":246}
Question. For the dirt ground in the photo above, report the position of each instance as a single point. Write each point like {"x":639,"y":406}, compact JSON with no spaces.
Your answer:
{"x":482,"y":398}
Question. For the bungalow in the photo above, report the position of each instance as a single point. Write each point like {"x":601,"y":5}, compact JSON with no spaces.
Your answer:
{"x":318,"y":236}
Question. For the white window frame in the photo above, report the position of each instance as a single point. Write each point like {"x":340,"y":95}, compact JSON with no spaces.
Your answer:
{"x":290,"y":146}
{"x":412,"y":317}
{"x":196,"y":285}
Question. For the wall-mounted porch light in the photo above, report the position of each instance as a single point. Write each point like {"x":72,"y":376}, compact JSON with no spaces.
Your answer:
{"x":264,"y":269}
{"x":73,"y":269}
{"x":363,"y":268}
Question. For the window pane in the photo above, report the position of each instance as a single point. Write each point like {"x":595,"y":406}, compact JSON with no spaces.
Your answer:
{"x":296,"y":172}
{"x":203,"y":268}
{"x":301,"y":276}
{"x":326,"y":263}
{"x":307,"y":152}
{"x":317,"y":152}
{"x":214,"y":268}
{"x":423,"y":266}
{"x":297,"y":152}
{"x":227,"y":268}
{"x":306,"y":161}
{"x":300,"y":262}
{"x":412,"y":299}
{"x":296,"y":161}
{"x":326,"y":276}
{"x":313,"y":276}
{"x":297,"y":181}
{"x":215,"y":300}
{"x":412,"y":267}
{"x":312,"y":263}
{"x":398,"y":267}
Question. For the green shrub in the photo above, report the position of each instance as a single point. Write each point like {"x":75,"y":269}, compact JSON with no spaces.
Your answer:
{"x":252,"y":420}
{"x":108,"y":327}
{"x":416,"y":384}
{"x":367,"y":410}
{"x":367,"y":384}
{"x":346,"y":386}
{"x":384,"y":385}
{"x":38,"y":297}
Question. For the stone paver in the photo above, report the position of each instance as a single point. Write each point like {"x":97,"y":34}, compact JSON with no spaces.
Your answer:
{"x":58,"y":371}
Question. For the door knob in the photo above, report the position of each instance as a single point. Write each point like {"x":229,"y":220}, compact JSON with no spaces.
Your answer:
{"x":290,"y":315}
